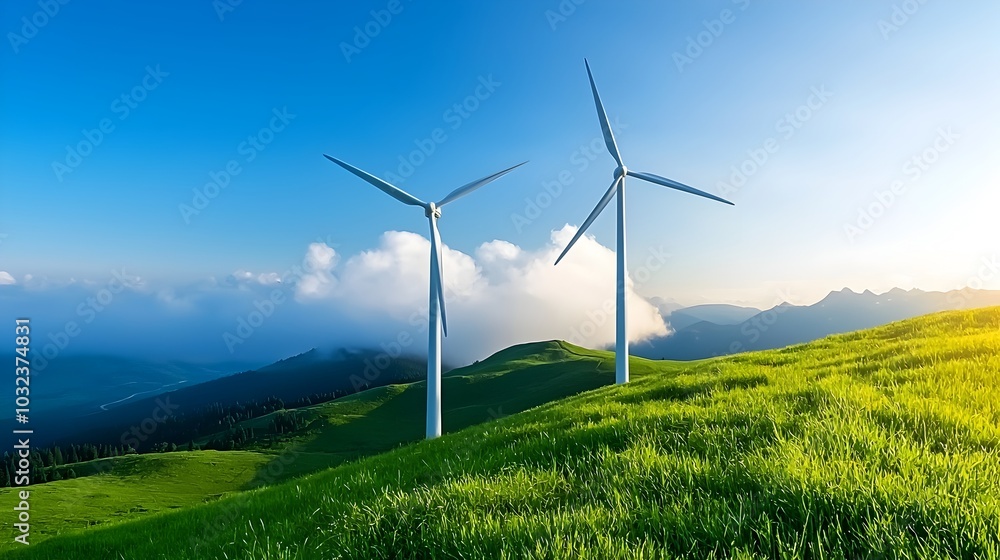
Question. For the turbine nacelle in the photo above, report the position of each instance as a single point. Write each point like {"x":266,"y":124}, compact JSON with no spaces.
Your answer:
{"x":620,"y":172}
{"x":432,"y":209}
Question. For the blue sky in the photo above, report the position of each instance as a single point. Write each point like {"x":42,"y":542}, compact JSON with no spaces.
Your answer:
{"x":892,"y":93}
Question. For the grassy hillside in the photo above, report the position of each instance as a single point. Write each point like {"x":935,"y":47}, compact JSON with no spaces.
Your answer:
{"x":119,"y":489}
{"x":134,"y":485}
{"x":510,"y":381}
{"x":881,"y":443}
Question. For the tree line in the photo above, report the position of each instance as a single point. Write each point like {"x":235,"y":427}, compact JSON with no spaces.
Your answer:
{"x":176,"y":433}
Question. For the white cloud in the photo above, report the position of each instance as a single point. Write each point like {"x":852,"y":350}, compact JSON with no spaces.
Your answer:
{"x":498,"y":296}
{"x":6,"y":278}
{"x":269,"y":278}
{"x":317,"y":281}
{"x":503,"y":295}
{"x":497,"y":251}
{"x":246,"y":277}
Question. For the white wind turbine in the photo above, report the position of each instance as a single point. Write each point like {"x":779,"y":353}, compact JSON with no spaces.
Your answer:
{"x":618,"y":188}
{"x":438,"y":320}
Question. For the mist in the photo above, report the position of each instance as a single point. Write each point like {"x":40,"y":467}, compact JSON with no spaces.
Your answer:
{"x":498,"y":296}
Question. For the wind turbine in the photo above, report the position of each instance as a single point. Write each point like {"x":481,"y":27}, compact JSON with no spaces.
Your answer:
{"x":617,"y":189}
{"x":437,"y":317}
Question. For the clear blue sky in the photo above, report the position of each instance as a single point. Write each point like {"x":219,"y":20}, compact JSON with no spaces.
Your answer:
{"x":688,"y":119}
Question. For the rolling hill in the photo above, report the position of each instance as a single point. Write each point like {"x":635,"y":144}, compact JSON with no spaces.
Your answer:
{"x":348,"y":428}
{"x":882,"y":443}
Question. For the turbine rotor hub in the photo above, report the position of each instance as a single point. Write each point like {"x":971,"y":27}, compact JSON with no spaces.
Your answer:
{"x":620,"y":171}
{"x":432,"y":209}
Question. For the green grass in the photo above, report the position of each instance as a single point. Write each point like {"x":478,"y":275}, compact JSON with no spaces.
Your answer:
{"x":132,"y":486}
{"x":119,"y":489}
{"x":877,"y":444}
{"x":511,"y":381}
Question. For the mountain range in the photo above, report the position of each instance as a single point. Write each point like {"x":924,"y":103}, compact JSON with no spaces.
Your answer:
{"x":316,"y":374}
{"x":705,"y":331}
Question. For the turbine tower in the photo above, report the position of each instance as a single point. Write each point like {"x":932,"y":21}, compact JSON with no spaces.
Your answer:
{"x":437,"y":317}
{"x":617,"y":190}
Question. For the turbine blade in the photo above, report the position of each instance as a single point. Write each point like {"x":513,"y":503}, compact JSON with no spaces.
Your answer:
{"x":394,"y":192}
{"x":675,"y":185}
{"x":462,"y":191}
{"x":609,"y":137}
{"x":436,"y":255}
{"x":593,"y":216}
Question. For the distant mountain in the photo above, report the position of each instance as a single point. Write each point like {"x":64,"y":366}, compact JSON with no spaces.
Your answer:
{"x":840,"y":311}
{"x":315,"y":372}
{"x":665,"y":306}
{"x":718,"y":313}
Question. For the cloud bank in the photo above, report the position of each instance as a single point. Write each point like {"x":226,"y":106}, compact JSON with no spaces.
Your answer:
{"x":498,"y":296}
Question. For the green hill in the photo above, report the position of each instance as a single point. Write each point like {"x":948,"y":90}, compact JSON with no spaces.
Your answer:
{"x":118,"y":489}
{"x":881,"y":443}
{"x":131,"y":486}
{"x":512,"y":380}
{"x":315,"y":374}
